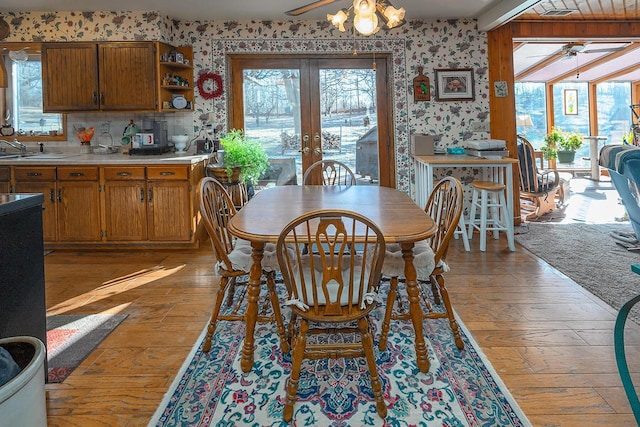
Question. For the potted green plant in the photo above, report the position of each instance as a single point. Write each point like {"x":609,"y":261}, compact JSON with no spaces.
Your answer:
{"x":244,"y":153}
{"x":551,"y":144}
{"x":568,"y":145}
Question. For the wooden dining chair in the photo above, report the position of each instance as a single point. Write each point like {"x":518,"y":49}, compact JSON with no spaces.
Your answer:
{"x":233,"y":259}
{"x":333,"y":172}
{"x":444,"y":206}
{"x":331,"y":291}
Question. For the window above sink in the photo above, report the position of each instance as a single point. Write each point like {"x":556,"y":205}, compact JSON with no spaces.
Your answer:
{"x":21,"y":115}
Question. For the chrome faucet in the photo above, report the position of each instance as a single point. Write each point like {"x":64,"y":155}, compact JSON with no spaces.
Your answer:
{"x":15,"y":144}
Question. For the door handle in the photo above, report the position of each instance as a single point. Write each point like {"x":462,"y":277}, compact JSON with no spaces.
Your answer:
{"x":142,"y":195}
{"x":318,"y":150}
{"x":305,"y":144}
{"x":316,"y":138}
{"x":151,"y":195}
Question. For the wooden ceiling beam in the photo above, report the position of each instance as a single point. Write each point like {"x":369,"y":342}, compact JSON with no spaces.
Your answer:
{"x":539,"y":65}
{"x":618,"y":73}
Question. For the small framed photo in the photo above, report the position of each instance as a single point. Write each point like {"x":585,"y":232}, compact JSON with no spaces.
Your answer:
{"x":570,"y":104}
{"x":179,"y":57}
{"x":454,"y":84}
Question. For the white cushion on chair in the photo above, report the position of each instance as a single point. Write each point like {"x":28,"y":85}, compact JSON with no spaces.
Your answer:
{"x":240,"y":257}
{"x":423,"y":260}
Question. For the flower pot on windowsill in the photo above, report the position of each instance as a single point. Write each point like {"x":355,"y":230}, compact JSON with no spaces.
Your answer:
{"x":566,"y":156}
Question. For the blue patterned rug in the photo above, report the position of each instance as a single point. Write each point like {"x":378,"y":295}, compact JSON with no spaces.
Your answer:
{"x":460,"y":389}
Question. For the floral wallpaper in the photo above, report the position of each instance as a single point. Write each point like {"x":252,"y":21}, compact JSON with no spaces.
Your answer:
{"x":428,"y":44}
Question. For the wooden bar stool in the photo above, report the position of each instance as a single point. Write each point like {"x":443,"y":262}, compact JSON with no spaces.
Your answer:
{"x":493,"y":212}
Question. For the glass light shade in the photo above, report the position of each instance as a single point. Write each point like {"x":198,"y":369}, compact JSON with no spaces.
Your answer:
{"x":364,"y":7}
{"x":394,"y":16}
{"x":366,"y":24}
{"x":338,"y":19}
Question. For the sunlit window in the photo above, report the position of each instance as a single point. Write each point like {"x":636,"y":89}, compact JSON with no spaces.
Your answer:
{"x":21,"y":104}
{"x":530,"y":111}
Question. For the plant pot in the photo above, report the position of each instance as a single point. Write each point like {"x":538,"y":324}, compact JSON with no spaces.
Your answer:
{"x":220,"y":173}
{"x":566,"y":156}
{"x":22,"y":399}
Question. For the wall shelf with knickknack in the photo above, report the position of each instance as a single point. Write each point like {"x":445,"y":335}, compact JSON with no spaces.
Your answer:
{"x":175,"y":78}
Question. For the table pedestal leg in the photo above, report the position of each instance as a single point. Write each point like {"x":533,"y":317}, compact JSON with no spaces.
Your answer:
{"x":422,"y":359}
{"x":251,"y":315}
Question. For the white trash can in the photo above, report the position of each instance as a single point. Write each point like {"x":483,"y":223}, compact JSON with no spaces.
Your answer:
{"x":22,"y":399}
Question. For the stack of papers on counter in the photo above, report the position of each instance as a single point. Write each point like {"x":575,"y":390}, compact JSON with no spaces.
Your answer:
{"x":487,"y":154}
{"x":487,"y":148}
{"x":486,"y":144}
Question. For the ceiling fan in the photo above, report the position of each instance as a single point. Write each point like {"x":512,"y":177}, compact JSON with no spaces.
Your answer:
{"x":570,"y":50}
{"x":308,"y":7}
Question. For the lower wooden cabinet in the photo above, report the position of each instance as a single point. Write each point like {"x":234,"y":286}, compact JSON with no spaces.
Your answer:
{"x":170,"y":203}
{"x":78,"y":204}
{"x":115,"y":206}
{"x":5,"y":179}
{"x":71,"y":208}
{"x":125,"y":204}
{"x":41,"y":179}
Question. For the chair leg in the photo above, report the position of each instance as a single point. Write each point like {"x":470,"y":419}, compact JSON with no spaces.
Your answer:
{"x":275,"y":305}
{"x":376,"y":383}
{"x":386,"y":323}
{"x":300,"y":343}
{"x":472,"y":214}
{"x":231,"y":293}
{"x":453,"y":323}
{"x":508,"y":223}
{"x":435,"y":292}
{"x":483,"y":221}
{"x":224,"y":284}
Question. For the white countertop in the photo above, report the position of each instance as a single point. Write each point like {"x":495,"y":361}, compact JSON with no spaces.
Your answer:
{"x":70,"y":158}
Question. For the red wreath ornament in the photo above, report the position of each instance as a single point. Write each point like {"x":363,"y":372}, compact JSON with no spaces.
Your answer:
{"x":217,"y":85}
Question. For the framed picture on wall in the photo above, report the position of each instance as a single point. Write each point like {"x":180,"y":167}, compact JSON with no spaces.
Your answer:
{"x":570,"y":104}
{"x":454,"y":84}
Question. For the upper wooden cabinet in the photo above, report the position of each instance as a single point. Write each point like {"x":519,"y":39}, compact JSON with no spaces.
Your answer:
{"x":109,"y":76}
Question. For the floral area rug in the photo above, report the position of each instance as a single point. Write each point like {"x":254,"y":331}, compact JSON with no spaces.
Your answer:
{"x":71,"y":338}
{"x":460,"y":389}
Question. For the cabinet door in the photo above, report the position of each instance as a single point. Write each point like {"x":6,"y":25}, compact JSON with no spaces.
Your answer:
{"x":69,"y":77}
{"x":49,"y":217}
{"x":169,"y":217}
{"x":127,"y":76}
{"x":125,"y":210}
{"x":78,"y":211}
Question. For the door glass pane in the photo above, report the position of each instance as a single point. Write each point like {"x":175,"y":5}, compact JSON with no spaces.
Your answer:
{"x":349,"y":120}
{"x":272,"y":117}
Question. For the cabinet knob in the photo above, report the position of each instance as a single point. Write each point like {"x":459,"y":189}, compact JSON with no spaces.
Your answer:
{"x":34,"y":173}
{"x":167,"y":173}
{"x":76,"y":174}
{"x":123,"y":173}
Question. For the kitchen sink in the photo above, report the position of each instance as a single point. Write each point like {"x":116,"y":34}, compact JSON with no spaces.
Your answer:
{"x":35,"y":156}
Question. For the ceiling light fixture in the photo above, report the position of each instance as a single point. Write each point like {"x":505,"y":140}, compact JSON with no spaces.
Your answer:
{"x":367,"y":14}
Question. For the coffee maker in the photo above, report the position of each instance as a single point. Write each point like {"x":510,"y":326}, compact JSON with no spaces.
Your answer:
{"x":152,"y":139}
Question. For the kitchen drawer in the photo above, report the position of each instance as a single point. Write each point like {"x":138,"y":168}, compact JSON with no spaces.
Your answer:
{"x":31,"y":173}
{"x":123,"y":173}
{"x":168,"y":172}
{"x":77,"y":173}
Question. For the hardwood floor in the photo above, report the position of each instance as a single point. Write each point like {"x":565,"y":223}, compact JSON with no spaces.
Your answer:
{"x":549,"y":339}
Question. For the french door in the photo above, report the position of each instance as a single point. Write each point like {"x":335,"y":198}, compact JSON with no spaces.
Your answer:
{"x":305,"y":109}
